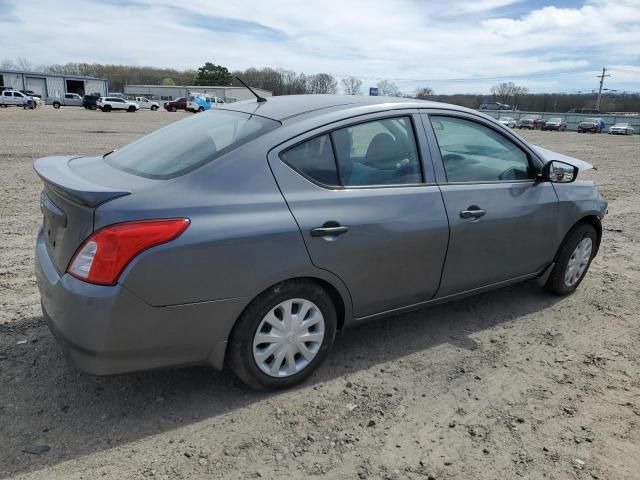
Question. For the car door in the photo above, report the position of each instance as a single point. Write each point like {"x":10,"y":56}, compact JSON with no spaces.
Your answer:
{"x":366,"y":210}
{"x":504,"y":225}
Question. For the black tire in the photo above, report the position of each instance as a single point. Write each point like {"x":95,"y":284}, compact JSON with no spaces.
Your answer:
{"x":92,"y":107}
{"x":56,"y":105}
{"x":106,"y":108}
{"x":153,"y":108}
{"x":131,"y":109}
{"x":174,"y":109}
{"x":240,"y":348}
{"x":556,"y":282}
{"x":201,"y":109}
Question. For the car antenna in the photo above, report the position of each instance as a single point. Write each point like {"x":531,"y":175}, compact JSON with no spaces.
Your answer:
{"x":260,"y":99}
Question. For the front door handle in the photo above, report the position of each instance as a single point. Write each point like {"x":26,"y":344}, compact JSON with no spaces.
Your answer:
{"x":329,"y":229}
{"x":473,"y":211}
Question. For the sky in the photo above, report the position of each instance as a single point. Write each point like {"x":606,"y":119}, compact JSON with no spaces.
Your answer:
{"x":454,"y":46}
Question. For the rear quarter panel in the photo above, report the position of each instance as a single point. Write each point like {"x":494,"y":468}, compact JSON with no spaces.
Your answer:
{"x":242,"y":238}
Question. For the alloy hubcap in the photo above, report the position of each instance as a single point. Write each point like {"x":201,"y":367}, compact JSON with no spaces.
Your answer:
{"x":288,"y":338}
{"x":578,"y":262}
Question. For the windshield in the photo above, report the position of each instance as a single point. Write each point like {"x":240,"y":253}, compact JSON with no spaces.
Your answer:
{"x":623,"y":125}
{"x":530,"y":117}
{"x":589,"y":120}
{"x":185,"y":145}
{"x":555,"y":120}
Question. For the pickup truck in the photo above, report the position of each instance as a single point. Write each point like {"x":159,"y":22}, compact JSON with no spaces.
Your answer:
{"x":14,"y":98}
{"x":67,"y":100}
{"x":175,"y":105}
{"x":147,"y":104}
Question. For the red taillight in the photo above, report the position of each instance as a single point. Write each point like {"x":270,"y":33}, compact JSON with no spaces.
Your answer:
{"x":105,"y":254}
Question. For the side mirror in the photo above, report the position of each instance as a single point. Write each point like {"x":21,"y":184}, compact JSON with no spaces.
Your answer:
{"x":556,"y":171}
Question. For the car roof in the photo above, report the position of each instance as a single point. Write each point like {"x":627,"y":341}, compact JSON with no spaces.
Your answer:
{"x":287,"y":107}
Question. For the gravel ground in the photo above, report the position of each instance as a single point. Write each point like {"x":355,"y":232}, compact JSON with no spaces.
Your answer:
{"x":513,"y":383}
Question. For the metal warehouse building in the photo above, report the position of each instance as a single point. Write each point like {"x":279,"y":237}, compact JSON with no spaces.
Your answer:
{"x":173,"y":92}
{"x":51,"y":84}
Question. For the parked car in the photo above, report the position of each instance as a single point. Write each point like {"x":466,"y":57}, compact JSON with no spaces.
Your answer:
{"x":593,"y":125}
{"x":495,"y":106}
{"x":106,"y":104}
{"x":508,"y":121}
{"x":555,"y":123}
{"x":175,"y":105}
{"x":36,"y":97}
{"x":14,"y":98}
{"x":199,"y":102}
{"x":532,"y":122}
{"x":66,"y":100}
{"x":243,"y":240}
{"x":90,"y":102}
{"x":621,"y":129}
{"x":146,"y":104}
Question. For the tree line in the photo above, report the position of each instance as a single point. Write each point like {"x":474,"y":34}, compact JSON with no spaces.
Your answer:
{"x":289,"y":82}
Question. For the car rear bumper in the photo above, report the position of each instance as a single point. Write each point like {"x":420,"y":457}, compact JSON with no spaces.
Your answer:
{"x":108,"y":330}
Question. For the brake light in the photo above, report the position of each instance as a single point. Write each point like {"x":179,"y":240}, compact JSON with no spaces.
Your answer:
{"x":105,"y":254}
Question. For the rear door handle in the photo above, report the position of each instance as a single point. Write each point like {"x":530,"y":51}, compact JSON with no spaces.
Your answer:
{"x":474,"y":212}
{"x":329,"y":231}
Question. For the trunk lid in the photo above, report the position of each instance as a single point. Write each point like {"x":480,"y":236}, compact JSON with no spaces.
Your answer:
{"x":73,"y":188}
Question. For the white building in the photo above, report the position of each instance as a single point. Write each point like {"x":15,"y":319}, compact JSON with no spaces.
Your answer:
{"x":173,"y":92}
{"x":51,"y":84}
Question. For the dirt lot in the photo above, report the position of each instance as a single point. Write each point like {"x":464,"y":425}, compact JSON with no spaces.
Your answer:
{"x":513,"y":383}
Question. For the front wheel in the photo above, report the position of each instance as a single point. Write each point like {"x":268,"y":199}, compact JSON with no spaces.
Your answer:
{"x":283,"y":336}
{"x":56,"y":105}
{"x":573,"y":260}
{"x":106,"y":108}
{"x":174,"y":109}
{"x":131,"y":109}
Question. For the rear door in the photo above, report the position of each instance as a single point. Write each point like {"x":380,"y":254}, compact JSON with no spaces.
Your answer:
{"x":504,"y":224}
{"x":366,"y":209}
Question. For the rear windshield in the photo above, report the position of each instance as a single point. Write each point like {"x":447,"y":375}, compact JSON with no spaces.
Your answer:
{"x":185,"y":145}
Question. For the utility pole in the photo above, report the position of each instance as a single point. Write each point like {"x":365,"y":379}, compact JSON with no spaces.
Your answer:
{"x":601,"y":77}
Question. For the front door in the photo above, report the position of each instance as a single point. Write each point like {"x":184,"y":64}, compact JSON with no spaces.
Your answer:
{"x":504,"y":224}
{"x":365,"y":211}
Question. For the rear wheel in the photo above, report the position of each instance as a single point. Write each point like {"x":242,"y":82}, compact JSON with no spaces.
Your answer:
{"x":56,"y":105}
{"x":573,"y":260}
{"x":153,"y":108}
{"x":131,"y":109}
{"x":201,"y":109}
{"x":106,"y":108}
{"x":283,"y":336}
{"x":92,"y":107}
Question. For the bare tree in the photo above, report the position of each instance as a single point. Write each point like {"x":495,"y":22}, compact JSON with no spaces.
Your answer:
{"x":424,"y":93}
{"x":8,"y":65}
{"x":321,"y":83}
{"x":23,"y":64}
{"x":352,"y":85}
{"x":388,"y":89}
{"x":508,"y":92}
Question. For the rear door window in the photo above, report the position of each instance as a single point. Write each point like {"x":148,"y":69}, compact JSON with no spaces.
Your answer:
{"x":376,"y":153}
{"x":381,"y":152}
{"x":190,"y":143}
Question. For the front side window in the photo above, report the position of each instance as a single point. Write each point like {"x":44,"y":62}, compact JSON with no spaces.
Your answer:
{"x":472,"y":152}
{"x":190,"y":143}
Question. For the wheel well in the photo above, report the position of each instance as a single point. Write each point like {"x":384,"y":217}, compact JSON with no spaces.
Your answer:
{"x":595,"y":222}
{"x":336,"y":298}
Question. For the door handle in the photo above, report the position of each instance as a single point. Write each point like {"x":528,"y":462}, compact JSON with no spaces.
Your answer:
{"x":474,"y":212}
{"x":329,"y":231}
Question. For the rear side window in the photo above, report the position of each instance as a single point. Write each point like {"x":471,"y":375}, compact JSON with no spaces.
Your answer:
{"x":314,"y":159}
{"x":380,"y":152}
{"x":185,"y":145}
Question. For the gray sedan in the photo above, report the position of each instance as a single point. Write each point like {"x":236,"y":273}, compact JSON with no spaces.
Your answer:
{"x":247,"y":236}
